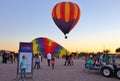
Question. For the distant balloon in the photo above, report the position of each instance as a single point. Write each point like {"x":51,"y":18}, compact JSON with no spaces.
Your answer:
{"x":66,"y":16}
{"x":44,"y":46}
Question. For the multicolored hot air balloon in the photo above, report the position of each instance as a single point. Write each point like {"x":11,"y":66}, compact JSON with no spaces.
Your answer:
{"x":66,"y":16}
{"x":44,"y":46}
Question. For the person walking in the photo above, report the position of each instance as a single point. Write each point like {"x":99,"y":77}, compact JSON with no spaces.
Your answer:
{"x":48,"y":58}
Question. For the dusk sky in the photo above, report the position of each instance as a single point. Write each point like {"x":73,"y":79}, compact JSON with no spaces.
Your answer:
{"x":25,"y":20}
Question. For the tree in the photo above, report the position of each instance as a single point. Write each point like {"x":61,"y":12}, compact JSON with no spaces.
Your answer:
{"x":106,"y":51}
{"x":117,"y":50}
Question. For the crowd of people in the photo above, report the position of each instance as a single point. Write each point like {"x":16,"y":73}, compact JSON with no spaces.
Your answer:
{"x":69,"y":60}
{"x":38,"y":59}
{"x":90,"y":60}
{"x":98,"y":60}
{"x":11,"y":57}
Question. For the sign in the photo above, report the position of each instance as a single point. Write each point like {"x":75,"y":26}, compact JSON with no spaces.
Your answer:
{"x":25,"y":48}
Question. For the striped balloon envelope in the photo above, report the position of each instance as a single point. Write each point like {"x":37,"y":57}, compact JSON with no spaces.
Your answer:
{"x":44,"y":46}
{"x":66,"y":15}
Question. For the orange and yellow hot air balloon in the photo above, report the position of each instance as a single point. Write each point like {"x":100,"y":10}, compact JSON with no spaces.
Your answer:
{"x":66,"y":16}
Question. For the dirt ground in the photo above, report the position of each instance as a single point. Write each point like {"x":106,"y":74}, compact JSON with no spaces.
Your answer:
{"x":60,"y":73}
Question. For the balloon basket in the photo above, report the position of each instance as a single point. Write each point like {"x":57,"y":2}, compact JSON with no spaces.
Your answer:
{"x":65,"y":37}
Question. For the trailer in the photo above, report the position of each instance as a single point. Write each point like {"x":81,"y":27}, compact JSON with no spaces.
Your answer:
{"x":107,"y":70}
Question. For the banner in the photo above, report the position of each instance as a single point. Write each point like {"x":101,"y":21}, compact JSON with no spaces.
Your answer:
{"x":25,"y":47}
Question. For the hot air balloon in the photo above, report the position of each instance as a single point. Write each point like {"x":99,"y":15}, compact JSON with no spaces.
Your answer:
{"x":66,"y":15}
{"x":44,"y":46}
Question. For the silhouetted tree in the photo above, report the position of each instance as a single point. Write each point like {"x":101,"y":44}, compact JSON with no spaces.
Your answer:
{"x":117,"y":50}
{"x":106,"y":51}
{"x":99,"y":52}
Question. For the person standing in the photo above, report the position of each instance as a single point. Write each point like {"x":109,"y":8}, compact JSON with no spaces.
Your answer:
{"x":41,"y":57}
{"x":11,"y":57}
{"x":37,"y":62}
{"x":66,"y":60}
{"x":23,"y":67}
{"x":48,"y":58}
{"x":5,"y":58}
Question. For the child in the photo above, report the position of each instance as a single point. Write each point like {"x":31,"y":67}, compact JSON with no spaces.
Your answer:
{"x":23,"y":66}
{"x":53,"y":62}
